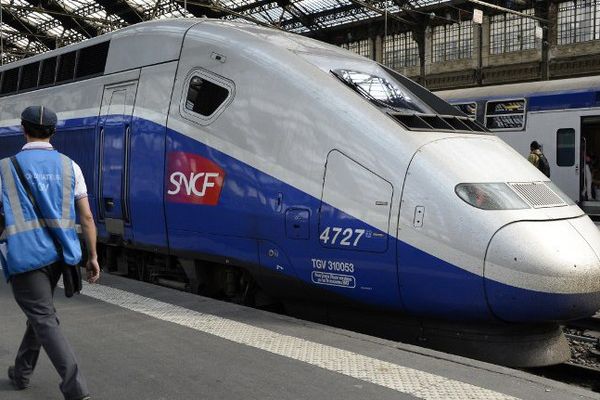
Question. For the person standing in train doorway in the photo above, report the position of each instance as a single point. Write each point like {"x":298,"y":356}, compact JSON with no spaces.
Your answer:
{"x":40,"y":180}
{"x":586,"y":190}
{"x":538,"y":159}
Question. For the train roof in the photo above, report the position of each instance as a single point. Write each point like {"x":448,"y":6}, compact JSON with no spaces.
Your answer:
{"x":584,"y":84}
{"x":164,"y":37}
{"x":160,"y":41}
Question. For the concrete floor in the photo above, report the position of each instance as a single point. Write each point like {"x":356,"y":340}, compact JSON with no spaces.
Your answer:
{"x":139,"y":341}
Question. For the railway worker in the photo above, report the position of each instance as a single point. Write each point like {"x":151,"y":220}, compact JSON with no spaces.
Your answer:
{"x":538,"y":159}
{"x":33,"y":262}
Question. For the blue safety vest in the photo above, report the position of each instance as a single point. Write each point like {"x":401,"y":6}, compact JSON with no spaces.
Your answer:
{"x":52,"y":182}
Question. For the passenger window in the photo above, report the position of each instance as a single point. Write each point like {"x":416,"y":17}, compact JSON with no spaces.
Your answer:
{"x":565,"y":147}
{"x":29,"y":76}
{"x":48,"y":71}
{"x":66,"y":67}
{"x":92,"y":60}
{"x":505,"y":115}
{"x":205,"y":97}
{"x":10,"y":79}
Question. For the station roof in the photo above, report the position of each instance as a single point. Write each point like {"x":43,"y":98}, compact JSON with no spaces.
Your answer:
{"x":29,"y":27}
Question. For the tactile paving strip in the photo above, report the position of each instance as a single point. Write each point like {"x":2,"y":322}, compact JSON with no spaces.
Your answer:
{"x":414,"y":382}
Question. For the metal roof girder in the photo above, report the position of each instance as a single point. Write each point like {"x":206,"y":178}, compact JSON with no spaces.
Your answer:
{"x":297,"y":13}
{"x":122,"y":9}
{"x":33,"y":32}
{"x":63,"y":16}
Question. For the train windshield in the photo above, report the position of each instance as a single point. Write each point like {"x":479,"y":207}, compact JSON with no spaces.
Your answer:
{"x":382,"y":90}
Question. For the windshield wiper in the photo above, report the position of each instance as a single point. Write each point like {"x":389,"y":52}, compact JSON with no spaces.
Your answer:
{"x":366,"y":94}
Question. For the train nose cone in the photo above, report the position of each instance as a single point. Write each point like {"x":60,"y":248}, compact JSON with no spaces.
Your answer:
{"x":544,"y":271}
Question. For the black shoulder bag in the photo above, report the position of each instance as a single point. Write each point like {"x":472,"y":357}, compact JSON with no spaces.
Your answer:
{"x":72,"y":279}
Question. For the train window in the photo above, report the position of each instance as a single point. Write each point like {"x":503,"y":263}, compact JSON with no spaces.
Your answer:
{"x":470,"y":109}
{"x":505,"y":114}
{"x":48,"y":71}
{"x":66,"y":67}
{"x":436,"y":104}
{"x":10,"y":79}
{"x":380,"y":90}
{"x":205,"y":96}
{"x":92,"y":60}
{"x":565,"y":147}
{"x":29,"y":76}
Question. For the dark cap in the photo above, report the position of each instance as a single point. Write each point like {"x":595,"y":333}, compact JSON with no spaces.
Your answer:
{"x":534,"y":145}
{"x":40,"y":116}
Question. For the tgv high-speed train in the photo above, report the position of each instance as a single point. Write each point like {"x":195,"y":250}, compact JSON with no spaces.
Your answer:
{"x":562,"y":115}
{"x":245,"y":162}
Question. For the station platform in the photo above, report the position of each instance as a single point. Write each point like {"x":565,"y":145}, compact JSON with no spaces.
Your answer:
{"x":139,"y":341}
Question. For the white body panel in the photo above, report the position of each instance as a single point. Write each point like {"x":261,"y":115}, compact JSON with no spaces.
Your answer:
{"x":443,"y":164}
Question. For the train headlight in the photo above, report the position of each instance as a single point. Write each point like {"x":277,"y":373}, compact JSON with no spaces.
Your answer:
{"x":490,"y":196}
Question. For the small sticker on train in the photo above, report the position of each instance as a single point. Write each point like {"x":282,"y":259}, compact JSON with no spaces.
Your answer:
{"x":329,"y":279}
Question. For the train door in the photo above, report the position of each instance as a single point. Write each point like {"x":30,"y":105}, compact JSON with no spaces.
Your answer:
{"x":590,"y":158}
{"x":559,"y":134}
{"x":354,"y":221}
{"x":114,"y":132}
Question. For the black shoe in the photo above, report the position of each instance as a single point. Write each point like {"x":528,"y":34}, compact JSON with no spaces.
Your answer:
{"x":11,"y":375}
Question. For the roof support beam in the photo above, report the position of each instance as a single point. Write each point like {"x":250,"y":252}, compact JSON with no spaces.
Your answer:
{"x":251,"y":6}
{"x":62,"y":15}
{"x":122,"y":9}
{"x":201,"y":8}
{"x":29,"y":30}
{"x":12,"y":48}
{"x":381,"y":12}
{"x":299,"y":15}
{"x":507,"y":10}
{"x":195,"y":8}
{"x":324,"y":16}
{"x":408,"y":10}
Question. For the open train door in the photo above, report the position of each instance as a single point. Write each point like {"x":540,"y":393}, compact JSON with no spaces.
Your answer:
{"x":590,"y":146}
{"x":114,"y":127}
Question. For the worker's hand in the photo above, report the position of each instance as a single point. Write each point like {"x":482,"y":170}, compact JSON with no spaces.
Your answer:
{"x":93,"y":270}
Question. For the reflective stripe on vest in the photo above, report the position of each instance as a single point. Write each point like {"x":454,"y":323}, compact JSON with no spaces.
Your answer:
{"x":67,"y":178}
{"x":20,"y":224}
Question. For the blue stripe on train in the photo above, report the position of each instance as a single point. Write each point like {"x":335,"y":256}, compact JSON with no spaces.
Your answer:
{"x":429,"y":284}
{"x":248,"y":225}
{"x":548,"y":101}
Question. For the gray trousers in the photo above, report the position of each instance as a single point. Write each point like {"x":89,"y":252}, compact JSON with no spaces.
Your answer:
{"x":34,"y":292}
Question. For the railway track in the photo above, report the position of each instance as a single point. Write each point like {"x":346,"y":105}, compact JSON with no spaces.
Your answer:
{"x":586,"y":334}
{"x":590,"y":324}
{"x":584,"y":367}
{"x":572,"y":374}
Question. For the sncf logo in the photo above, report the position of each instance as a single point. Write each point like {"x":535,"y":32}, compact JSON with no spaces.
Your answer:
{"x":193,"y":179}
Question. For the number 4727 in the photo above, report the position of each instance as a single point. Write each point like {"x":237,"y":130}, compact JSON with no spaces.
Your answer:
{"x":347,"y":236}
